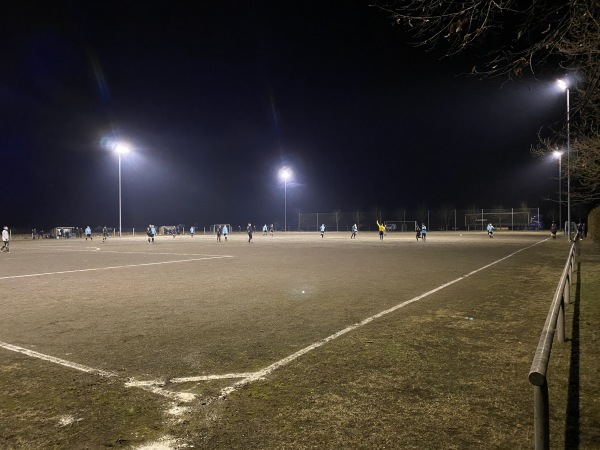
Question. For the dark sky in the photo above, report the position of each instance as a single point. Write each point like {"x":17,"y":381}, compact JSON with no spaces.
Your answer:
{"x":215,"y":96}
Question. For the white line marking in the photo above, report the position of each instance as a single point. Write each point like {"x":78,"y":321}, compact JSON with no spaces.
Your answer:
{"x":67,"y":248}
{"x":134,"y":383}
{"x":112,"y":267}
{"x":165,"y":253}
{"x":147,"y":386}
{"x":212,"y":377}
{"x":55,"y":360}
{"x":180,"y":396}
{"x":267,"y":370}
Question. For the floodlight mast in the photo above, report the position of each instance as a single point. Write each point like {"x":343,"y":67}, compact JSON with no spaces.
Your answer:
{"x":563,"y":84}
{"x":285,"y":174}
{"x":120,"y":148}
{"x":558,"y":155}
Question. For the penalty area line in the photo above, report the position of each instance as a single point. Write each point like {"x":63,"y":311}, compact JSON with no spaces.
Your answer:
{"x":125,"y":266}
{"x":153,"y":387}
{"x":62,"y":362}
{"x":261,"y":374}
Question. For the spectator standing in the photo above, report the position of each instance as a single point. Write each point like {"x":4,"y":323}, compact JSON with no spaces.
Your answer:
{"x":5,"y":240}
{"x":579,"y":234}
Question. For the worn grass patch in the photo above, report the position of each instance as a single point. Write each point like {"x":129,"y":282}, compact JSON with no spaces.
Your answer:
{"x":48,"y":407}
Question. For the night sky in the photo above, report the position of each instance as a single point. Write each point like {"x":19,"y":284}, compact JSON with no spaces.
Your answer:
{"x":214,"y":97}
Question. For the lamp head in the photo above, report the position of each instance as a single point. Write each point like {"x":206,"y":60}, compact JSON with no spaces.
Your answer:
{"x":121,"y":148}
{"x":562,"y":84}
{"x":285,"y":173}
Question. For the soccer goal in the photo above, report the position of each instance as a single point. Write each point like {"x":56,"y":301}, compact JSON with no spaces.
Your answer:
{"x":400,"y":225}
{"x":215,"y":227}
{"x":514,"y":220}
{"x":64,"y":232}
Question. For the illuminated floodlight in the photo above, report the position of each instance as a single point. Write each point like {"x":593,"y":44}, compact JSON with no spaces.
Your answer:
{"x":121,"y":148}
{"x":557,"y":154}
{"x":285,"y":173}
{"x":562,"y":84}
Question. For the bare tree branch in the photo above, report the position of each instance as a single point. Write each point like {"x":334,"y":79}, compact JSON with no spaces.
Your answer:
{"x":509,"y":39}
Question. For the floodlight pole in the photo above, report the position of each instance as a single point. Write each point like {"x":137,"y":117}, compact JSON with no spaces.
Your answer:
{"x":285,"y":173}
{"x":120,"y":225}
{"x":568,"y":164}
{"x":559,"y":188}
{"x":120,"y":148}
{"x":285,"y":203}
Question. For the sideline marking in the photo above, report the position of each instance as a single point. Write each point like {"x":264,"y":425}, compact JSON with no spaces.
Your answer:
{"x":261,"y":374}
{"x":113,"y":267}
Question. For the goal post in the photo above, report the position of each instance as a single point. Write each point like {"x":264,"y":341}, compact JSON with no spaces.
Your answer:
{"x":64,"y":232}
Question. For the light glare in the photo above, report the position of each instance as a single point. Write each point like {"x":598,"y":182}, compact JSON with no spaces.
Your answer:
{"x":557,"y":154}
{"x":562,"y":84}
{"x":122,"y":148}
{"x":285,"y":173}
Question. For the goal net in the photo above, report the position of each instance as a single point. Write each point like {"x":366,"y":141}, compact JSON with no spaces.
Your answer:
{"x":400,"y":225}
{"x":215,"y":227}
{"x":517,"y":220}
{"x":64,"y":232}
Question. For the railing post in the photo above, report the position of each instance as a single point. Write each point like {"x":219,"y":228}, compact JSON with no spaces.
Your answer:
{"x":567,"y":291}
{"x":560,"y":322}
{"x":541,"y":412}
{"x":572,"y":259}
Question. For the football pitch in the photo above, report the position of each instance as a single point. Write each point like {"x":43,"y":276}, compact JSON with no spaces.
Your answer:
{"x":274,"y":343}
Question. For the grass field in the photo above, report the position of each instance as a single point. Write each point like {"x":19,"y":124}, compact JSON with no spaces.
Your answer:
{"x":292,"y":341}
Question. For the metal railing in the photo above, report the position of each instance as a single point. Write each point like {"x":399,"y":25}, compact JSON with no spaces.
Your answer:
{"x":555,"y":323}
